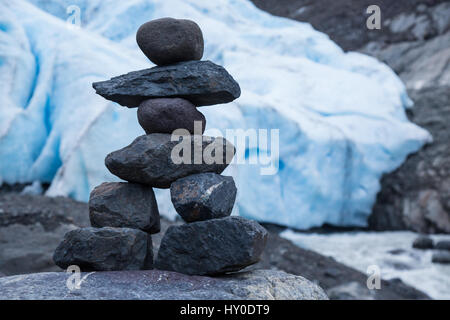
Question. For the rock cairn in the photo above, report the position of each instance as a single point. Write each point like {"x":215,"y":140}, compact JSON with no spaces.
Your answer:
{"x":123,"y":215}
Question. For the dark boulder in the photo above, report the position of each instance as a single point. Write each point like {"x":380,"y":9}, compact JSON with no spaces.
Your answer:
{"x":423,"y":242}
{"x":169,"y":40}
{"x":203,"y":83}
{"x":441,"y":257}
{"x":105,"y":249}
{"x":124,"y":205}
{"x":157,"y":161}
{"x":211,"y":247}
{"x":443,"y":245}
{"x":164,"y":115}
{"x":203,"y":196}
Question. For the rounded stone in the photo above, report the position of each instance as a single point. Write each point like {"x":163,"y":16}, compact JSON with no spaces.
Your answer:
{"x":166,"y":115}
{"x":168,"y":40}
{"x":423,"y":242}
{"x":124,"y":205}
{"x":203,"y":196}
{"x":443,"y":245}
{"x":441,"y":257}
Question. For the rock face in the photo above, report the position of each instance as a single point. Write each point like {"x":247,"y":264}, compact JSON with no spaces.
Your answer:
{"x":164,"y":115}
{"x":148,"y":159}
{"x":168,"y":40}
{"x":156,"y":285}
{"x":423,"y":243}
{"x":211,"y":247}
{"x":201,"y":82}
{"x":105,"y":249}
{"x":416,"y":196}
{"x":203,"y":196}
{"x":124,"y":205}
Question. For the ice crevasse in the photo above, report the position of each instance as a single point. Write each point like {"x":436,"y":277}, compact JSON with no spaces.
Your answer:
{"x":341,"y":116}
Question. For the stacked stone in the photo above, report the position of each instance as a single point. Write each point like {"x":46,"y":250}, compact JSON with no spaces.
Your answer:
{"x":124,"y":215}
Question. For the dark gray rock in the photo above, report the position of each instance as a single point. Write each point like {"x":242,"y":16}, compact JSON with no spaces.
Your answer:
{"x":203,"y":196}
{"x":149,"y":159}
{"x":203,"y":83}
{"x":168,"y":40}
{"x":443,"y":245}
{"x":156,"y":285}
{"x":441,"y":257}
{"x":124,"y":205}
{"x":423,"y":242}
{"x":164,"y":115}
{"x":211,"y":247}
{"x":105,"y":249}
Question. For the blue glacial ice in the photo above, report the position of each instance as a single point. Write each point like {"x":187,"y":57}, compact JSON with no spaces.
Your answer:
{"x":341,"y":116}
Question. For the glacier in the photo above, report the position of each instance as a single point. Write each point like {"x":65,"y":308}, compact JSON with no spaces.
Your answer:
{"x":341,"y":116}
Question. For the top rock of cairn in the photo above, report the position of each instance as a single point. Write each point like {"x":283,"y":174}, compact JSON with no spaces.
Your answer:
{"x":123,"y":215}
{"x":167,"y":40}
{"x":176,"y":46}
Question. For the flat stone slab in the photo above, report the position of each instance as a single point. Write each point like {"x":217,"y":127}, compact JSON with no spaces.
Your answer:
{"x":202,"y":83}
{"x":124,"y":205}
{"x":160,"y":285}
{"x":211,"y":247}
{"x":203,"y":196}
{"x":158,"y":161}
{"x":105,"y":249}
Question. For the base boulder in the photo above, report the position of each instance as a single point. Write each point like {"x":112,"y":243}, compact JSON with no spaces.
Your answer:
{"x":211,"y":247}
{"x":105,"y":249}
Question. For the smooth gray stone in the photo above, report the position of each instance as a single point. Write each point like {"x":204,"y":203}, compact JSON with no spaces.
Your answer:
{"x":124,"y":205}
{"x":105,"y":249}
{"x":443,"y":245}
{"x":203,"y":83}
{"x":423,"y":242}
{"x":169,"y":40}
{"x":161,"y":285}
{"x":441,"y":257}
{"x":148,"y":159}
{"x":203,"y":196}
{"x":164,"y":115}
{"x":211,"y":247}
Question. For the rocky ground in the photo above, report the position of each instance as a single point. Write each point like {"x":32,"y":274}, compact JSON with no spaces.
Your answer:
{"x":414,"y":40}
{"x":31,"y":227}
{"x":162,"y":285}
